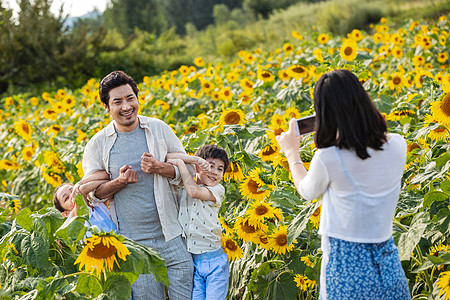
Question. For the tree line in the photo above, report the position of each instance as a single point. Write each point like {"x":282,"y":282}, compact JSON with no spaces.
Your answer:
{"x":39,"y":50}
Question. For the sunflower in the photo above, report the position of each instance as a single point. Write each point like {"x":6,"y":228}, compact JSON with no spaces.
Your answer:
{"x":318,"y":54}
{"x":232,"y":77}
{"x":288,"y":47}
{"x":274,"y":132}
{"x":246,"y":84}
{"x":283,"y":75}
{"x":226,"y":94}
{"x":250,"y":189}
{"x":206,"y":86}
{"x":247,"y":232}
{"x":199,"y":62}
{"x":301,"y":282}
{"x":27,"y":153}
{"x":291,"y":112}
{"x":418,"y":60}
{"x":184,"y":70}
{"x":259,"y":211}
{"x":441,"y":109}
{"x":278,"y":241}
{"x":8,"y":165}
{"x":438,"y":133}
{"x":281,"y":160}
{"x":51,"y":177}
{"x":99,"y":253}
{"x":80,"y":169}
{"x":245,"y":97}
{"x":307,"y":261}
{"x":268,"y":152}
{"x":234,"y":172}
{"x":23,"y":129}
{"x":231,"y":248}
{"x":265,"y":76}
{"x":297,"y":71}
{"x":297,"y":35}
{"x":397,"y":81}
{"x":232,"y":117}
{"x":315,"y":217}
{"x":50,"y":114}
{"x":357,"y":35}
{"x":323,"y":38}
{"x":397,"y":52}
{"x":378,"y":38}
{"x":434,"y":250}
{"x":348,"y":50}
{"x":444,"y":284}
{"x":54,"y":129}
{"x":261,"y":239}
{"x":228,"y":229}
{"x":442,"y":57}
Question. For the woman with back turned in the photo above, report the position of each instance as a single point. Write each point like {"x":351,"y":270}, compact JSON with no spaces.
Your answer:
{"x":358,"y":169}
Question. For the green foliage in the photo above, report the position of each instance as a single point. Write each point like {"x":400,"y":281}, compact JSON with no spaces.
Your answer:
{"x":38,"y":254}
{"x":37,"y":48}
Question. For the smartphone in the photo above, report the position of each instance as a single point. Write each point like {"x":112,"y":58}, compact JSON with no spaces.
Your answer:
{"x":305,"y":125}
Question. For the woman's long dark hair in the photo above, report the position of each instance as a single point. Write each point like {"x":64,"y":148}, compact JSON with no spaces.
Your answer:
{"x":345,"y":115}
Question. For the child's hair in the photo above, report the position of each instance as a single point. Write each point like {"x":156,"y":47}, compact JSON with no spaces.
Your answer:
{"x":55,"y":200}
{"x":213,"y":151}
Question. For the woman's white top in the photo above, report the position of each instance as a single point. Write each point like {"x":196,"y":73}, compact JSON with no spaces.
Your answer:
{"x":359,"y":195}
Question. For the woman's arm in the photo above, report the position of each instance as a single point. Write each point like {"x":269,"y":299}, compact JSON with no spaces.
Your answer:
{"x":192,"y":188}
{"x":290,"y":144}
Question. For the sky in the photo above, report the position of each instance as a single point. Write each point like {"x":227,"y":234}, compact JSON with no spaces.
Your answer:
{"x":73,"y":8}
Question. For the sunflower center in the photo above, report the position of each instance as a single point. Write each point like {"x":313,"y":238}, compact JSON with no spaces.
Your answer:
{"x":101,"y":251}
{"x":316,"y":212}
{"x":439,"y":129}
{"x":265,"y":75}
{"x":192,"y":129}
{"x":396,"y":80}
{"x":232,"y":118}
{"x":248,"y":228}
{"x":261,"y":210}
{"x":278,"y":131}
{"x":413,"y":146}
{"x":231,"y":245}
{"x":298,"y":70}
{"x":268,"y":151}
{"x":253,"y":187}
{"x":281,"y":240}
{"x":263,"y":239}
{"x":206,"y":85}
{"x":348,"y":50}
{"x":445,"y":105}
{"x":25,"y":128}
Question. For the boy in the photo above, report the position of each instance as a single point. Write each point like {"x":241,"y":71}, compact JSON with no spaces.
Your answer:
{"x":99,"y":215}
{"x":199,"y":218}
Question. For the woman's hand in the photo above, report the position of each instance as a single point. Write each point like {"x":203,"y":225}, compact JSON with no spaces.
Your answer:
{"x":289,"y":142}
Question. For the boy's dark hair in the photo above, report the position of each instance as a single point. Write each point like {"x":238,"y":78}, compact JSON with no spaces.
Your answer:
{"x":55,"y":200}
{"x":345,"y":115}
{"x":113,"y":80}
{"x":213,"y":151}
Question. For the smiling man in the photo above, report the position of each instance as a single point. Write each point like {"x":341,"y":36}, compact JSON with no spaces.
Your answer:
{"x":144,"y":211}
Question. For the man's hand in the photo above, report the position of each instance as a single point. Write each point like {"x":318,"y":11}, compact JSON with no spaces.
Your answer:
{"x":149,"y":164}
{"x":127,"y":175}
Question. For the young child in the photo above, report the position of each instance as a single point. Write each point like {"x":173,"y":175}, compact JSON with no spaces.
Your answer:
{"x":198,"y":216}
{"x":64,"y":200}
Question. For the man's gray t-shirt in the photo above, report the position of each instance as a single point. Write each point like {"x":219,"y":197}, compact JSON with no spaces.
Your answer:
{"x":137,"y":215}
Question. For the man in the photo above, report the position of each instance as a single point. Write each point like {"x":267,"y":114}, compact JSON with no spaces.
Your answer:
{"x":145,"y":207}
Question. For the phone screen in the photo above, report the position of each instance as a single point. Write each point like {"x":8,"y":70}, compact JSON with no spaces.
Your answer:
{"x":305,"y":125}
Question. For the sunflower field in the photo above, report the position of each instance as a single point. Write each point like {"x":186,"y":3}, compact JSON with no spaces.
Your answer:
{"x":269,"y":231}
